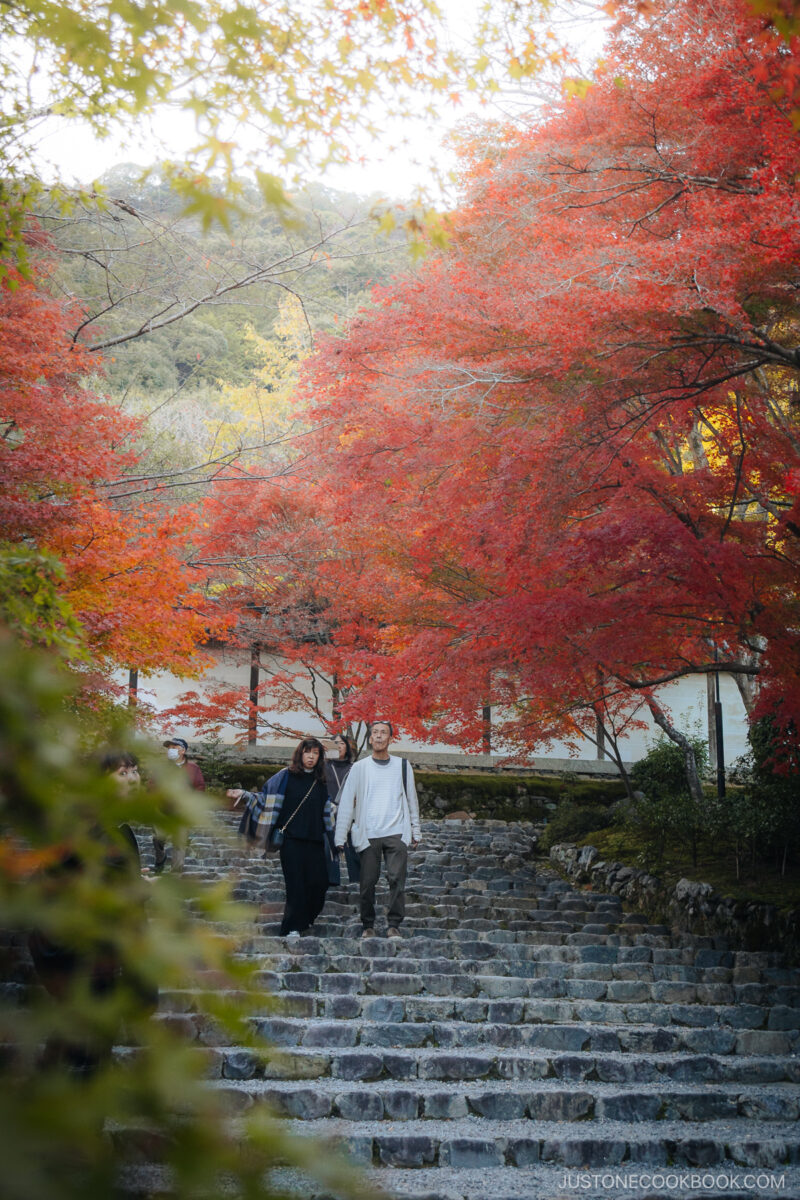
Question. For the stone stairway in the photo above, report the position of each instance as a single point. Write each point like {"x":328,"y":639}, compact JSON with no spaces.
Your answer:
{"x":523,"y":1040}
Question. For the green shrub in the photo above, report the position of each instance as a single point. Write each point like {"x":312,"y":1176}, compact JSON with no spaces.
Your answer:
{"x":73,"y":1116}
{"x":764,"y":812}
{"x":451,"y":784}
{"x":227,"y":774}
{"x":662,"y":772}
{"x":501,"y":793}
{"x":674,"y":822}
{"x":498,"y":797}
{"x":666,"y":816}
{"x":571,"y":822}
{"x":600,"y":792}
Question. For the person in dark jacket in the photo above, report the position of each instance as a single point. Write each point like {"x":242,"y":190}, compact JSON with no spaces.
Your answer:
{"x":58,"y":966}
{"x":296,"y":802}
{"x":177,"y":748}
{"x":336,"y":771}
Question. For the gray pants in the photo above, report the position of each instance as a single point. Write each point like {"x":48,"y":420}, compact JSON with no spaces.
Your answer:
{"x":395,"y":855}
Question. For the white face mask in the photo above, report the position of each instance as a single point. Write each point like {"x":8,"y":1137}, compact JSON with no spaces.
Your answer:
{"x":173,"y":753}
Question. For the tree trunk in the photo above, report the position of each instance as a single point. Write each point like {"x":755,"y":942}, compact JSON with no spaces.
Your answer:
{"x":680,"y":739}
{"x":486,"y":719}
{"x":612,"y":749}
{"x":252,"y":714}
{"x":607,"y":738}
{"x":748,"y":685}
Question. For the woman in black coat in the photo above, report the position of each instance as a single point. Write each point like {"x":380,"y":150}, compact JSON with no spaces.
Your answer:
{"x":296,"y":802}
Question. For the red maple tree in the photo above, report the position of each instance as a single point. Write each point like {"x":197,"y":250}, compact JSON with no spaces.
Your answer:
{"x":125,"y":578}
{"x":562,"y":454}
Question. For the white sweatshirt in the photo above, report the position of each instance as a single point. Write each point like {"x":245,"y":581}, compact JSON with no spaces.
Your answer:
{"x":374,"y":802}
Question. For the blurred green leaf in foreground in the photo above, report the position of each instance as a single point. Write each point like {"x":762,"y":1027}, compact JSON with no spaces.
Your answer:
{"x":138,"y":1115}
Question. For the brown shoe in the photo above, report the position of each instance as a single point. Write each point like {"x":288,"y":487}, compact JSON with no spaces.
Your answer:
{"x":393,"y":932}
{"x":368,"y":932}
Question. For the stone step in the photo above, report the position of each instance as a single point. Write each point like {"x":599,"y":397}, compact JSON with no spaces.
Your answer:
{"x":612,"y":982}
{"x":519,"y":944}
{"x":722,"y":1003}
{"x":485,"y":1144}
{"x":375,"y":1063}
{"x":444,"y":932}
{"x":542,"y":1181}
{"x":480,"y":1144}
{"x":399,"y":997}
{"x":539,"y":1101}
{"x":551,"y":979}
{"x":392,"y":955}
{"x":519,"y":1030}
{"x":546,"y":1182}
{"x":349,"y":1031}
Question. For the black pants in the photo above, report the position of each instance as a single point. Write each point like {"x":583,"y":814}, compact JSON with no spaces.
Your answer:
{"x":394,"y":852}
{"x":306,"y":877}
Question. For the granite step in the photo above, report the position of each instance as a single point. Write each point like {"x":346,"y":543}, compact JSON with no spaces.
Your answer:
{"x":416,"y":998}
{"x":348,"y":1031}
{"x":514,"y":944}
{"x":518,"y":1031}
{"x":536,"y":1100}
{"x":777,"y":1008}
{"x":374,"y":1063}
{"x":546,"y":1182}
{"x":482,"y":1143}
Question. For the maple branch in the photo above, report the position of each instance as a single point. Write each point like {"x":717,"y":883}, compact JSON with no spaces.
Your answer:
{"x":232,"y":457}
{"x":224,"y":460}
{"x":606,"y":195}
{"x":181,"y":258}
{"x":768,"y":351}
{"x":710,"y":668}
{"x":609,"y":740}
{"x":639,"y":222}
{"x":165,"y":317}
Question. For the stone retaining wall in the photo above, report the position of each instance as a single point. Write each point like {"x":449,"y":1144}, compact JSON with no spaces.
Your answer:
{"x":689,"y":906}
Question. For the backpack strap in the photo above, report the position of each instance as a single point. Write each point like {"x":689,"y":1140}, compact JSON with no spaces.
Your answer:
{"x":404,"y":769}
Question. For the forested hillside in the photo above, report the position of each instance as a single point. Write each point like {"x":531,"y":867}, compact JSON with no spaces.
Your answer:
{"x":202,"y":332}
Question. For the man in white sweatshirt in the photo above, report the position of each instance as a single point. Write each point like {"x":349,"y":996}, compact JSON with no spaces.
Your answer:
{"x":382,"y":808}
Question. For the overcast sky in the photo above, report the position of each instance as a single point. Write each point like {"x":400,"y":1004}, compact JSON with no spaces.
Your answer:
{"x":403,"y":159}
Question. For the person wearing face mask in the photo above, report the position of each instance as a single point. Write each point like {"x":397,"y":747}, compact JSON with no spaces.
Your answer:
{"x":295,"y":802}
{"x":177,"y":748}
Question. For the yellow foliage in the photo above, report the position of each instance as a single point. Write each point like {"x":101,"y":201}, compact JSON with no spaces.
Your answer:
{"x":263,"y":411}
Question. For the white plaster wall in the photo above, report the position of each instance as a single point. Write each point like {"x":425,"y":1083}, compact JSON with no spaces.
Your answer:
{"x":685,"y":701}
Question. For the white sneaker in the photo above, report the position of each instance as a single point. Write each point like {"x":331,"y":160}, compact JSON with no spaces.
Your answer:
{"x":293,"y":936}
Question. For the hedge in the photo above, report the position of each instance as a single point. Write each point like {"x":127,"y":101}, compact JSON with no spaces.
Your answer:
{"x":502,"y":797}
